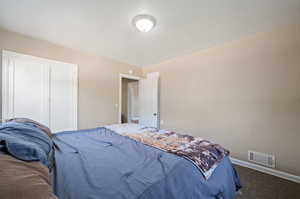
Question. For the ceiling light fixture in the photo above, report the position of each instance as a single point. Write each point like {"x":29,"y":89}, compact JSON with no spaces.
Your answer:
{"x":144,"y":23}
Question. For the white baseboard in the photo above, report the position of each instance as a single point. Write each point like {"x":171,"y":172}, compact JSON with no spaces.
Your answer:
{"x":266,"y":170}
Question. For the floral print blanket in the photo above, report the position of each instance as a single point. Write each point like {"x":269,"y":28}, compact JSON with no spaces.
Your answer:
{"x":204,"y":154}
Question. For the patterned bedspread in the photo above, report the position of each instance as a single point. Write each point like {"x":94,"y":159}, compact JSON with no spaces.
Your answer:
{"x":204,"y":154}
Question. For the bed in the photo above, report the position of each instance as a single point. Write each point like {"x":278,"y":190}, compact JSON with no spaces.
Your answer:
{"x":103,"y":163}
{"x":25,"y":160}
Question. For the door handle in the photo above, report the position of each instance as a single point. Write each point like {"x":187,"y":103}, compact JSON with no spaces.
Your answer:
{"x":155,"y":114}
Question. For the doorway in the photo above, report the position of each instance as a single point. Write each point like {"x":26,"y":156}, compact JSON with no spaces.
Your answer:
{"x":139,"y":100}
{"x":129,"y":99}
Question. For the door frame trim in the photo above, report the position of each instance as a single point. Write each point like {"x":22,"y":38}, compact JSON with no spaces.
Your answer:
{"x":123,"y":76}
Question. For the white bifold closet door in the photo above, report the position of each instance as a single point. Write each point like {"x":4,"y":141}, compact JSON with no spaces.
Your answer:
{"x":39,"y":89}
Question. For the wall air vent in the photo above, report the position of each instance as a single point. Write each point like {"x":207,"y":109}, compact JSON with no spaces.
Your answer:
{"x":262,"y":158}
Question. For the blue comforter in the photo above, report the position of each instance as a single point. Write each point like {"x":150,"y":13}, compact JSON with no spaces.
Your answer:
{"x":101,"y":164}
{"x":26,"y":142}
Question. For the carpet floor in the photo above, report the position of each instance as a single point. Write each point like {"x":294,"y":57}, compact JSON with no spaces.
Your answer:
{"x":257,"y":185}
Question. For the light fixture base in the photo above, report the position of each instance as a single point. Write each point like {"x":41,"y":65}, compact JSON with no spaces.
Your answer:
{"x":144,"y":23}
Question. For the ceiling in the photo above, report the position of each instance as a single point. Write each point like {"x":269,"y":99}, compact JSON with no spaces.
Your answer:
{"x":104,"y":27}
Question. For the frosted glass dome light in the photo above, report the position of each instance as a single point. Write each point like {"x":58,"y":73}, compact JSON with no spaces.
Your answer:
{"x":144,"y":23}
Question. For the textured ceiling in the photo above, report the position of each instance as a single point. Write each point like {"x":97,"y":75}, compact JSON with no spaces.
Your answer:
{"x":103,"y":27}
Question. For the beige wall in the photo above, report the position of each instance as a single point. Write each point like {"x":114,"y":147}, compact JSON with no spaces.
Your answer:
{"x":244,"y":95}
{"x":98,"y":76}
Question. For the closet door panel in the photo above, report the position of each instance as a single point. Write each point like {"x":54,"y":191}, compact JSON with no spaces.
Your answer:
{"x":63,"y":95}
{"x":31,"y":91}
{"x":27,"y":89}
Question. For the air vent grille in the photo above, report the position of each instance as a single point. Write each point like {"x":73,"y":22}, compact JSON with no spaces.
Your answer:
{"x":262,"y":158}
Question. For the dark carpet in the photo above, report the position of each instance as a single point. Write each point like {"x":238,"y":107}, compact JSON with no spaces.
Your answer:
{"x":257,"y":185}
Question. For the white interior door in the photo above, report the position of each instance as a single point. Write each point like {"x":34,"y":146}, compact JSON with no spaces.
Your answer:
{"x":63,"y":95}
{"x":149,"y":100}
